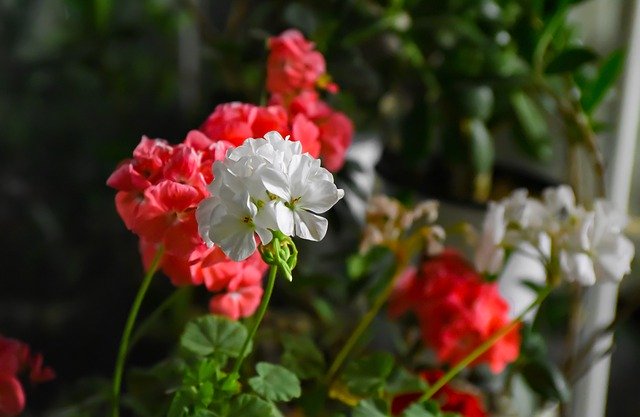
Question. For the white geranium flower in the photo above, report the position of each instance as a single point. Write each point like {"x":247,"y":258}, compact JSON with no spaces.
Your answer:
{"x":262,"y":186}
{"x":304,"y":189}
{"x":589,"y":245}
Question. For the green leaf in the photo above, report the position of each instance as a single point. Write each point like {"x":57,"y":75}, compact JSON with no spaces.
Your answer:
{"x":546,"y":379}
{"x":476,"y":101}
{"x":403,"y":382}
{"x":570,"y":60}
{"x":249,"y":405}
{"x":367,"y":376}
{"x":359,"y":265}
{"x":594,"y":92}
{"x":275,"y":382}
{"x":367,"y":408}
{"x":302,"y":356}
{"x":213,"y":334}
{"x":428,"y":409}
{"x":481,"y":145}
{"x":536,"y":138}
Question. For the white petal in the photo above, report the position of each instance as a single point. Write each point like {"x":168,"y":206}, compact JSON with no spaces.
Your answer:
{"x":239,"y":246}
{"x":285,"y":219}
{"x":203,"y":217}
{"x":264,"y":234}
{"x":310,"y":226}
{"x":577,"y":267}
{"x":275,"y":182}
{"x":613,"y":259}
{"x":319,"y":196}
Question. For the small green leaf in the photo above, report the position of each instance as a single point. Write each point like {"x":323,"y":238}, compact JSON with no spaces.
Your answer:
{"x":367,"y":376}
{"x":481,"y":145}
{"x":546,"y":379}
{"x":359,"y":265}
{"x":302,"y":356}
{"x":476,"y":101}
{"x":248,"y":405}
{"x":594,"y":92}
{"x":367,"y":408}
{"x":536,"y":138}
{"x":570,"y":60}
{"x":403,"y":382}
{"x":213,"y":334}
{"x":275,"y":382}
{"x":421,"y":410}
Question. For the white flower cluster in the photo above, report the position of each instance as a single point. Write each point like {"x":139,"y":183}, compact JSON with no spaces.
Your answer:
{"x":265,"y":185}
{"x":588,"y":244}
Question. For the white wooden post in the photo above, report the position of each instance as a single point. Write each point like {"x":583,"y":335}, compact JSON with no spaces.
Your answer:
{"x":599,"y":305}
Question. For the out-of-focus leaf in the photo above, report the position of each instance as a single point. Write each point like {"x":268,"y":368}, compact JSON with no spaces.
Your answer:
{"x":248,"y":405}
{"x":428,"y":409}
{"x":593,"y":93}
{"x":302,"y":356}
{"x":301,"y":16}
{"x":570,"y":60}
{"x":480,"y":145}
{"x":536,"y":139}
{"x":367,"y":376}
{"x":367,"y":408}
{"x":546,"y":379}
{"x":403,"y":382}
{"x":476,"y":101}
{"x":360,"y":265}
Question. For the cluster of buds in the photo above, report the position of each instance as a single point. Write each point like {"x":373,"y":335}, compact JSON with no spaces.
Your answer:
{"x":390,"y":223}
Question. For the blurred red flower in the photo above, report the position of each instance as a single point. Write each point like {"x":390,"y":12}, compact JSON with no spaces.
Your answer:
{"x":456,"y":310}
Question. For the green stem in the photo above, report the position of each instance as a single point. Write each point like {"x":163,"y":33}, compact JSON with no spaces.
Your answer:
{"x":477,"y":352}
{"x":362,"y":326}
{"x":126,"y":334}
{"x":259,"y":316}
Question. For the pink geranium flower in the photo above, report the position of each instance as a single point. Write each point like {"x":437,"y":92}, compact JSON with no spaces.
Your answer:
{"x":293,"y":63}
{"x":235,"y":122}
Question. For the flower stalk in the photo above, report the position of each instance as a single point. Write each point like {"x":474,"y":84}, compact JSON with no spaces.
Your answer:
{"x":281,"y":254}
{"x":128,"y":328}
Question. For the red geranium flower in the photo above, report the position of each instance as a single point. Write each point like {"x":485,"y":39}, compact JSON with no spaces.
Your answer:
{"x":456,"y":310}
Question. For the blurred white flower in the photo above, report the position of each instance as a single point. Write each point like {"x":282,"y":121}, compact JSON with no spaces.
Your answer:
{"x":589,"y":245}
{"x":265,"y":185}
{"x":490,"y":253}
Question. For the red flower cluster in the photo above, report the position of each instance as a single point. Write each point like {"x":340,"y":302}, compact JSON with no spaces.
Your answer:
{"x":456,"y":310}
{"x":451,"y":399}
{"x":158,"y":192}
{"x":294,"y":71}
{"x":15,"y":358}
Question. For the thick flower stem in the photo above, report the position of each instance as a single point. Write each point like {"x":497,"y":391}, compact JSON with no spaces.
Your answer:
{"x":128,"y":328}
{"x":259,"y":316}
{"x":363,"y":325}
{"x":477,"y":352}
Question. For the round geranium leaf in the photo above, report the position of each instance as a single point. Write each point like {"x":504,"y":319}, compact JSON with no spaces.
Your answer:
{"x":213,"y":334}
{"x":275,"y":382}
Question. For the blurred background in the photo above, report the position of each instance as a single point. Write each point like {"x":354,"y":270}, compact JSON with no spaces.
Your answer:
{"x":466,"y":100}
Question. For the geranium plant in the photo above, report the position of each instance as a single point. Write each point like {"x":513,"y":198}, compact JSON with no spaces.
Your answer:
{"x":416,"y":328}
